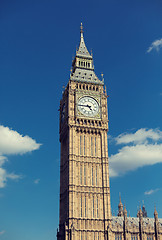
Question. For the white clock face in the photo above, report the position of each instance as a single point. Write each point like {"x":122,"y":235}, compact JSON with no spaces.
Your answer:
{"x":88,"y":106}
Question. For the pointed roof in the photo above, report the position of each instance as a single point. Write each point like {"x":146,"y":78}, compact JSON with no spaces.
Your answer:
{"x":155,"y":213}
{"x":82,"y":51}
{"x":120,"y":203}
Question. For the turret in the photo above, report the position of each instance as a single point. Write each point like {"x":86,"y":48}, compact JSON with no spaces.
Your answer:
{"x":156,"y":224}
{"x":120,"y":208}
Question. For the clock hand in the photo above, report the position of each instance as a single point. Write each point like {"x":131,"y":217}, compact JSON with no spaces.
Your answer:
{"x":85,"y":106}
{"x":90,"y":107}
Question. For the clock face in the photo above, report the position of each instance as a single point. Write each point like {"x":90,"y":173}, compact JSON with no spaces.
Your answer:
{"x":88,"y":106}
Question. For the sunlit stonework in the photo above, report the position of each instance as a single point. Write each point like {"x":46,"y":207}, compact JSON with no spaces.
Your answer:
{"x":85,"y":211}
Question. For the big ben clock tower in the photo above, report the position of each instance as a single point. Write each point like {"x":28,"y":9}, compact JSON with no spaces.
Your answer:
{"x":84,"y":175}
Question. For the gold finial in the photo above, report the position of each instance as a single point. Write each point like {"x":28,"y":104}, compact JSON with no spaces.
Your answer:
{"x":102,"y":75}
{"x":81,"y":28}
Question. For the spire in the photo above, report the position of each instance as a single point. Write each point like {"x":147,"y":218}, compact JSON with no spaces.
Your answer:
{"x":144,"y":212}
{"x":125,"y":211}
{"x":82,"y":65}
{"x":82,"y":51}
{"x":140,"y":214}
{"x":155,"y":214}
{"x":120,"y":207}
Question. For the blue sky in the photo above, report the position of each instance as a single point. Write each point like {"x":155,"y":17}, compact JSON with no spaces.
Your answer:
{"x":37,"y":43}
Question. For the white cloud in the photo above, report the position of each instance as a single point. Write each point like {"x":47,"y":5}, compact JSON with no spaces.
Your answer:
{"x":36,"y":181}
{"x":140,"y":154}
{"x":11,"y":142}
{"x":140,"y":136}
{"x":2,"y":232}
{"x":152,"y":191}
{"x":157,"y":44}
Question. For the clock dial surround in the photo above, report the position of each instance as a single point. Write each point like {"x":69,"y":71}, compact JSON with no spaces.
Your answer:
{"x":88,"y":106}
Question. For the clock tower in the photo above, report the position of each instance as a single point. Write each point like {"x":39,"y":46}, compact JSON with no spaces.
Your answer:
{"x":84,"y":174}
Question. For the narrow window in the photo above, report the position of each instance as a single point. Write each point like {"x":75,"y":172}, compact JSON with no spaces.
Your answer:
{"x":81,"y":236}
{"x":84,"y":175}
{"x":118,"y":236}
{"x":81,"y":206}
{"x":94,"y":235}
{"x":134,"y":237}
{"x":91,"y":146}
{"x":95,"y":147}
{"x":98,"y":236}
{"x":150,"y":237}
{"x":93,"y":206}
{"x":92,"y":175}
{"x":96,"y":175}
{"x":97,"y":207}
{"x":80,"y":174}
{"x":84,"y":144}
{"x":85,"y":207}
{"x":79,"y":63}
{"x":80,"y":145}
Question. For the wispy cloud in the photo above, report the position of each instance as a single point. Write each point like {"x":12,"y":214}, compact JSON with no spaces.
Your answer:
{"x":138,"y":152}
{"x":152,"y":191}
{"x":2,"y":232}
{"x":36,"y":181}
{"x":11,"y":142}
{"x":140,"y":136}
{"x":157,"y":44}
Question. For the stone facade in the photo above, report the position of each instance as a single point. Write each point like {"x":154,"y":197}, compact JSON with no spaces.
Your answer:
{"x":85,"y":212}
